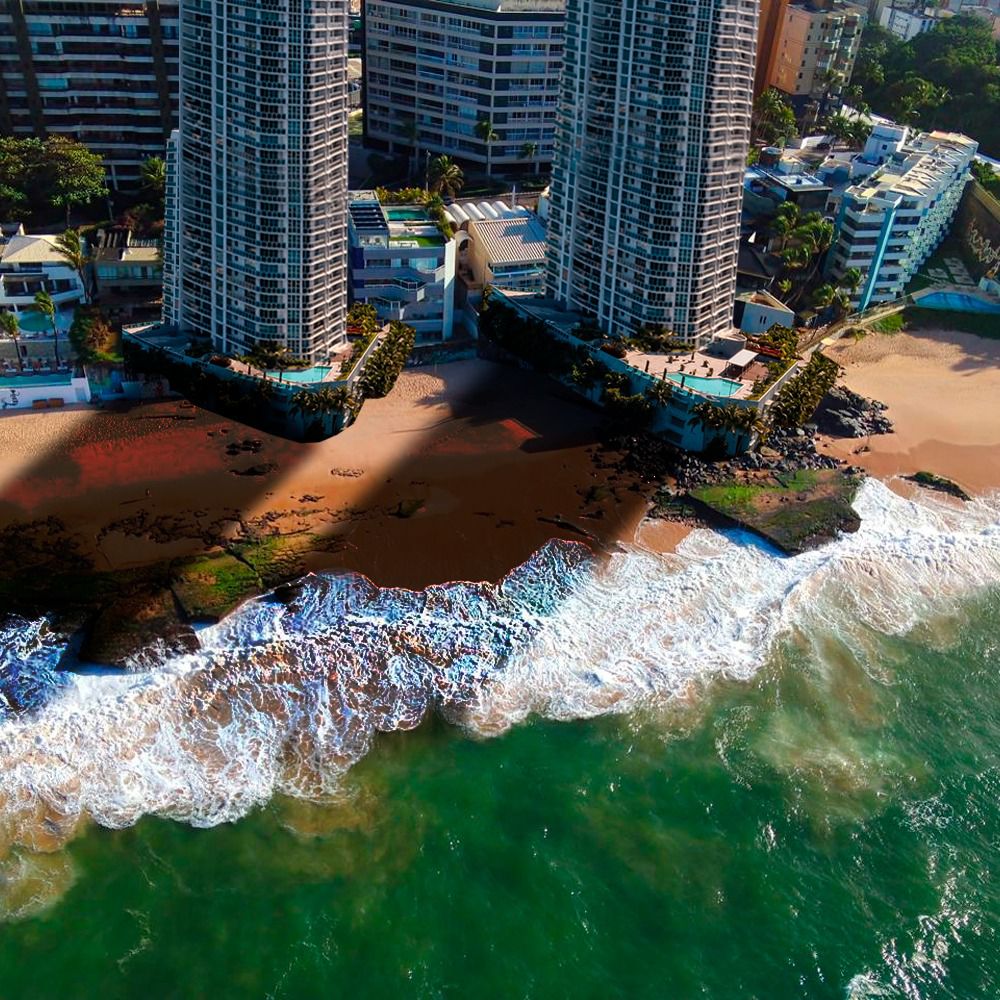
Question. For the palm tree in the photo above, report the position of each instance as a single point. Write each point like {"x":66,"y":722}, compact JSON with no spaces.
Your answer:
{"x":488,"y":134}
{"x":823,"y":296}
{"x":70,"y":246}
{"x":660,"y":392}
{"x":851,"y":279}
{"x":528,"y":151}
{"x":12,"y":329}
{"x":45,"y":305}
{"x":154,"y":176}
{"x":445,"y":176}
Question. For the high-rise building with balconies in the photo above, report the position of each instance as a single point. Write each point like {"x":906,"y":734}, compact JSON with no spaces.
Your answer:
{"x":652,"y":138}
{"x":101,"y":71}
{"x":436,"y":70}
{"x":257,"y":241}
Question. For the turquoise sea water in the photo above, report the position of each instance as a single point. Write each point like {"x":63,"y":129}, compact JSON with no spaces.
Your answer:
{"x":809,"y":810}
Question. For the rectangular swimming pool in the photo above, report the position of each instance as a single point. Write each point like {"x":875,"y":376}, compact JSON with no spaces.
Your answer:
{"x":308,"y":375}
{"x":710,"y":386}
{"x":33,"y":381}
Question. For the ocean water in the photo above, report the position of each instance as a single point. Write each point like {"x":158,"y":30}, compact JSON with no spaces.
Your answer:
{"x":718,"y":774}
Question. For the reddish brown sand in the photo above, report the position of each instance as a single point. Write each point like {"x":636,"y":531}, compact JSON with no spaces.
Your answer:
{"x":461,"y":473}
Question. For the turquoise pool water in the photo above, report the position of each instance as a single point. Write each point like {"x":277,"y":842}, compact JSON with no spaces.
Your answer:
{"x":709,"y":386}
{"x":406,"y":215}
{"x":32,"y":381}
{"x":315,"y":374}
{"x":32,"y":322}
{"x":957,"y":302}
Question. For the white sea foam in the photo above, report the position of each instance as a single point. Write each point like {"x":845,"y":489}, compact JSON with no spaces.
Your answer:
{"x":285,"y":698}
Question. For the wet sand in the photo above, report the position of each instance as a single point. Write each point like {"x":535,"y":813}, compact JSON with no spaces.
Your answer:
{"x":943,"y":393}
{"x":461,"y":473}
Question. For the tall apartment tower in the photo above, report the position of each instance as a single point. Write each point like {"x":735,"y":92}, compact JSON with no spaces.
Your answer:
{"x":652,"y":137}
{"x":435,"y":69}
{"x":257,"y":247}
{"x":101,"y":71}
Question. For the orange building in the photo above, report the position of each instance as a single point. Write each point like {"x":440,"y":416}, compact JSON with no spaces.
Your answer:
{"x":772,"y":16}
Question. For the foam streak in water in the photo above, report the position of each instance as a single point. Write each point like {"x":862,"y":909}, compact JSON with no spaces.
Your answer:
{"x":285,"y":698}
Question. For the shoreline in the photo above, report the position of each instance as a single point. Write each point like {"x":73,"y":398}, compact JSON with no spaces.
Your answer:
{"x":461,"y":473}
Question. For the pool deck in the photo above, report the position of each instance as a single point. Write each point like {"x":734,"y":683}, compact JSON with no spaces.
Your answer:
{"x":696,"y":364}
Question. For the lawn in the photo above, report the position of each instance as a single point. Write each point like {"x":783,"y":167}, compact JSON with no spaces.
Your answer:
{"x":980,"y":324}
{"x":794,"y":511}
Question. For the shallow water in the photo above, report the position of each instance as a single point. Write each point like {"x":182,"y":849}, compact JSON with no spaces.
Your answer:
{"x":786,"y":784}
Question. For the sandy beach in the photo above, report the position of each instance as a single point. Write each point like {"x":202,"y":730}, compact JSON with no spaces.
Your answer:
{"x":943,"y":393}
{"x":407,"y":491}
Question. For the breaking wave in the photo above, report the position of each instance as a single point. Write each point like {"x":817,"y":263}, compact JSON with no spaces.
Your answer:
{"x":285,"y":697}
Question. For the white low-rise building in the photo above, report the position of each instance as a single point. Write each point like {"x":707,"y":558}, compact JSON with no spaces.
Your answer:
{"x":506,"y":246}
{"x":402,"y":264}
{"x":31,"y":264}
{"x":891,"y":221}
{"x":757,"y":312}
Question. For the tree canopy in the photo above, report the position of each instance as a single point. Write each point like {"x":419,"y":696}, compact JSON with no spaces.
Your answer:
{"x":39,"y":176}
{"x":946,"y":78}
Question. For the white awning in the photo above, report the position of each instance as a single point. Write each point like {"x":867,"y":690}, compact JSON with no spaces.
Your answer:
{"x":741,"y":359}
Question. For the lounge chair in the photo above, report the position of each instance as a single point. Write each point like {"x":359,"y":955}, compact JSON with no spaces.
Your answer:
{"x":55,"y":401}
{"x":40,"y":404}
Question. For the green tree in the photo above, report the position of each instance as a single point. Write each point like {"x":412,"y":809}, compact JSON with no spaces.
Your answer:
{"x":773,"y":120}
{"x":11,"y":329}
{"x":75,"y":176}
{"x":71,"y":247}
{"x":445,"y":176}
{"x":45,"y":306}
{"x":153,"y":174}
{"x":487,"y":133}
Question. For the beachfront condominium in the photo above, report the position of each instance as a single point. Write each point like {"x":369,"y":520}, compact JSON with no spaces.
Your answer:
{"x":101,"y":71}
{"x":257,"y":215}
{"x":477,"y":80}
{"x":896,"y":216}
{"x":651,"y":148}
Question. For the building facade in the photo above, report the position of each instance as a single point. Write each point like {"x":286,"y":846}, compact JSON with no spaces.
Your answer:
{"x":891,"y":221}
{"x":437,"y":70}
{"x":817,"y":45}
{"x":104,"y":72}
{"x":257,"y":240}
{"x":652,"y":138}
{"x":772,"y":17}
{"x":32,"y":264}
{"x":402,"y":265}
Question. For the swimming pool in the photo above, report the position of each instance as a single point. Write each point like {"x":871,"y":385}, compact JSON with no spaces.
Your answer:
{"x":36,"y":322}
{"x":315,"y":374}
{"x":407,"y":215}
{"x":957,"y":302}
{"x":33,"y":381}
{"x":709,"y":386}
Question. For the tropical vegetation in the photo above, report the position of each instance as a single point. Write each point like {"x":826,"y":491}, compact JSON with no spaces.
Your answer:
{"x":41,"y":176}
{"x":797,"y":399}
{"x":947,"y":78}
{"x":45,"y":305}
{"x":93,"y":338}
{"x":72,"y":249}
{"x":11,"y":329}
{"x":445,"y":176}
{"x":772,"y":120}
{"x":386,"y":361}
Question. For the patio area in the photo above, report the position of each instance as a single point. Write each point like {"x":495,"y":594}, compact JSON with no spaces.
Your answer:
{"x":708,"y":373}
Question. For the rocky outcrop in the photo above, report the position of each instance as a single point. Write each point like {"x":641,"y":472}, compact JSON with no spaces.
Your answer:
{"x":844,"y":413}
